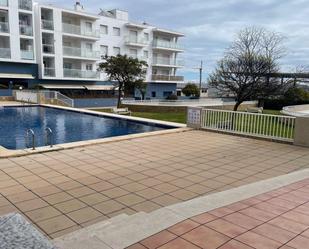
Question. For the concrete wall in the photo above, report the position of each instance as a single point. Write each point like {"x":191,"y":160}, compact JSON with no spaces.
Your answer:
{"x":6,"y":98}
{"x":301,"y":133}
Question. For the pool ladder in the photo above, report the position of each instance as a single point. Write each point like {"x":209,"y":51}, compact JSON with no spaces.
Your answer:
{"x":30,"y":132}
{"x":48,"y":137}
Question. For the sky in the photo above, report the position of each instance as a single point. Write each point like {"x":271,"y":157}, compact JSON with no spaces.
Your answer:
{"x":211,"y":25}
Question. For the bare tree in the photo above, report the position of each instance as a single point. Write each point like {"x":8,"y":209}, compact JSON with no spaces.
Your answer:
{"x":247,"y":65}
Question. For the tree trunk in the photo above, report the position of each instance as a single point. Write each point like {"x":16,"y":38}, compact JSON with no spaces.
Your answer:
{"x":236,"y":106}
{"x":119,"y":97}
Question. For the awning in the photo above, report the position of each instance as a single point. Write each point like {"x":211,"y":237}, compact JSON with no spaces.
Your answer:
{"x":54,"y":86}
{"x":100,"y":88}
{"x":16,"y":76}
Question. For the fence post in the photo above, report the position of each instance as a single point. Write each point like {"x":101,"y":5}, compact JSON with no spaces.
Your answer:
{"x":301,"y":132}
{"x":194,"y":117}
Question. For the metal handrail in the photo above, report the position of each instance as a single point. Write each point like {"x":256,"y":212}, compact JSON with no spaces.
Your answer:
{"x":49,"y":133}
{"x":30,"y":131}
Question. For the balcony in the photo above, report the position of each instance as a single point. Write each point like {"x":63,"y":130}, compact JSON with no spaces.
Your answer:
{"x":25,"y":4}
{"x":48,"y":48}
{"x":167,"y":78}
{"x":25,"y":29}
{"x":47,"y":24}
{"x":169,"y":62}
{"x":140,"y":58}
{"x":78,"y":52}
{"x":160,"y":44}
{"x":27,"y":54}
{"x":4,"y":27}
{"x":135,"y":41}
{"x":49,"y":72}
{"x":77,"y":30}
{"x":5,"y":53}
{"x":77,"y":73}
{"x":4,"y":3}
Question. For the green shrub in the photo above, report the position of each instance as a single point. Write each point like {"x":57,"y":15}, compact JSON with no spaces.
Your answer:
{"x":172,"y":97}
{"x":191,"y":90}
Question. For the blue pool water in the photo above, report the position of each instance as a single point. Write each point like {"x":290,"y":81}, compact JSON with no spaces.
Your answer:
{"x":67,"y":126}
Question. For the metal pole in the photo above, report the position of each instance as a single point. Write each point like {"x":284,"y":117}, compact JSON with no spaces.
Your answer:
{"x":201,"y":76}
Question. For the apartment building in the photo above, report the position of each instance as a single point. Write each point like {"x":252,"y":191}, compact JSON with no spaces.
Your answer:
{"x":58,"y":48}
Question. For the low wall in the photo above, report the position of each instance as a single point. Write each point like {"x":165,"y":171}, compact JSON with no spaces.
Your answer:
{"x":301,"y":134}
{"x":296,"y":110}
{"x":6,"y":92}
{"x":95,"y":102}
{"x":6,"y":98}
{"x":53,"y":102}
{"x":180,"y":109}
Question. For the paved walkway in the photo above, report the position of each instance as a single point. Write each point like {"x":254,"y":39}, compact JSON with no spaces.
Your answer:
{"x":277,"y":219}
{"x":65,"y":190}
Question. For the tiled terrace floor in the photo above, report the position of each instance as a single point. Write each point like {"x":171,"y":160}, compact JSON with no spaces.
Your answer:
{"x":277,"y":219}
{"x":64,"y":190}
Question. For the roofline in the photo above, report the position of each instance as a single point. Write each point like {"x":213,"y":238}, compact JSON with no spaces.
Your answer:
{"x":170,"y":32}
{"x":70,"y":11}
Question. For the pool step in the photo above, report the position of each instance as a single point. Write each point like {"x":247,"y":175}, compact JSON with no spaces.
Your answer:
{"x":89,"y":237}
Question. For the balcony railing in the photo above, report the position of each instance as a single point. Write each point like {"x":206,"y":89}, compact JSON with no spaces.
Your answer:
{"x":78,"y":52}
{"x":48,"y":48}
{"x":78,"y":30}
{"x":4,"y":3}
{"x":141,"y":58}
{"x":4,"y":27}
{"x":47,"y":24}
{"x":167,"y":61}
{"x":157,"y":77}
{"x":167,"y":44}
{"x":49,"y":72}
{"x":5,"y":53}
{"x":25,"y":30}
{"x":129,"y":40}
{"x":25,"y":4}
{"x":27,"y":54}
{"x":77,"y":73}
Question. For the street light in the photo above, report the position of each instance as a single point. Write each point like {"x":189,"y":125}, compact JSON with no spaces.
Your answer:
{"x":201,"y":75}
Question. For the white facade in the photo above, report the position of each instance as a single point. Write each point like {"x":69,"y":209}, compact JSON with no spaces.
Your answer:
{"x":17,"y":43}
{"x":68,"y":44}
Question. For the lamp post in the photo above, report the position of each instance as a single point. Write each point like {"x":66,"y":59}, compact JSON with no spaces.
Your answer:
{"x":201,"y":75}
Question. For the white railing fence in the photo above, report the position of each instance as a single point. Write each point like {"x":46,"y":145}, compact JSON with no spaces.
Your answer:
{"x":58,"y":96}
{"x":26,"y":96}
{"x":275,"y":127}
{"x":35,"y":97}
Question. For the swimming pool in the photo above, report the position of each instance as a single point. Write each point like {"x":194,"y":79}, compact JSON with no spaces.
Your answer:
{"x":67,"y":126}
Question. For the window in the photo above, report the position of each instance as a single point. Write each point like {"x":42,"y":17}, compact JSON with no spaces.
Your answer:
{"x":88,"y":47}
{"x":103,"y":29}
{"x":146,"y":54}
{"x":133,"y":36}
{"x":89,"y":67}
{"x":153,"y":94}
{"x":116,"y":31}
{"x":104,"y":50}
{"x":116,"y":50}
{"x":67,"y":44}
{"x":67,"y":65}
{"x":146,"y":36}
{"x":166,"y":94}
{"x":133,"y":53}
{"x":88,"y":26}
